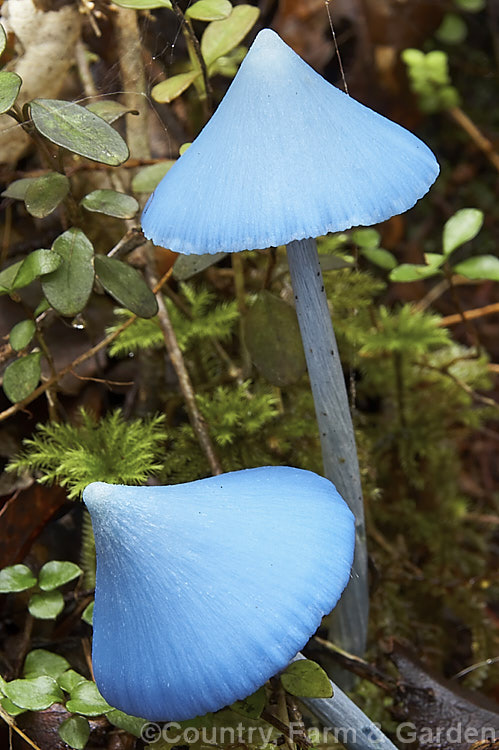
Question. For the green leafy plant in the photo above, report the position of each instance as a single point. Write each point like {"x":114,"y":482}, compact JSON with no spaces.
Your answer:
{"x":430,"y":79}
{"x":47,"y":679}
{"x":200,"y":319}
{"x":46,"y":602}
{"x":109,"y":450}
{"x":454,"y":29}
{"x":458,"y":230}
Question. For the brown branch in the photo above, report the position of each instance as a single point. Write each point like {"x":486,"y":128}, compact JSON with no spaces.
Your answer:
{"x":78,"y":361}
{"x":478,"y":138}
{"x":478,"y":312}
{"x":10,"y":721}
{"x":470,"y":328}
{"x":358,"y":666}
{"x":132,"y":239}
{"x":196,"y":419}
{"x":184,"y":21}
{"x":464,"y":386}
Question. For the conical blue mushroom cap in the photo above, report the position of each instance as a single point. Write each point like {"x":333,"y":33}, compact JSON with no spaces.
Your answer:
{"x":206,"y":589}
{"x":286,"y":156}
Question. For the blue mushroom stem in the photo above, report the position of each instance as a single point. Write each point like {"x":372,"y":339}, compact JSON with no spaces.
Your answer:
{"x":353,"y":729}
{"x":339,"y":453}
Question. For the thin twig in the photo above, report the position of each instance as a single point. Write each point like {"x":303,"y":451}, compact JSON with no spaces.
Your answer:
{"x":477,"y":312}
{"x":84,"y":70}
{"x":132,"y":239}
{"x":436,"y":291}
{"x":478,"y":138}
{"x":9,"y":720}
{"x":464,"y":386}
{"x":177,"y":360}
{"x":51,"y":393}
{"x":103,"y":380}
{"x":78,"y":361}
{"x":470,"y":329}
{"x":358,"y":666}
{"x":336,"y":48}
{"x":197,"y":51}
{"x":234,"y":371}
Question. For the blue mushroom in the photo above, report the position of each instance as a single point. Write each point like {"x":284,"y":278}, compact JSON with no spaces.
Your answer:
{"x":206,"y":589}
{"x":286,"y":156}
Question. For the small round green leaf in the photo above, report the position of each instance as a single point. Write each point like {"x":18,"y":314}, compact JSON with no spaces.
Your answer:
{"x":88,"y":614}
{"x":452,"y":30}
{"x":187,"y":266}
{"x":47,"y":605}
{"x":109,"y":110}
{"x":10,"y":707}
{"x":221,"y":37}
{"x":39,"y":662}
{"x":126,"y":285}
{"x":21,"y":377}
{"x":366,"y":238}
{"x":38,"y":263}
{"x":461,"y":228}
{"x":306,"y":679}
{"x":209,"y":10}
{"x":44,"y":194}
{"x":56,"y":573}
{"x":143,"y":4}
{"x":21,"y":334}
{"x":42,"y":307}
{"x":22,"y":273}
{"x":111,"y":203}
{"x":147,"y":178}
{"x":410,"y":272}
{"x":435,"y":260}
{"x":168,"y":90}
{"x":75,"y":732}
{"x":479,"y":267}
{"x":69,"y":287}
{"x":16,"y":578}
{"x":379,"y":257}
{"x":86,"y":700}
{"x":78,"y":130}
{"x":18,"y":188}
{"x":69,"y":680}
{"x":272,"y":335}
{"x":131,"y":724}
{"x":228,"y":64}
{"x":252,"y":706}
{"x":10,"y":83}
{"x":34,"y":694}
